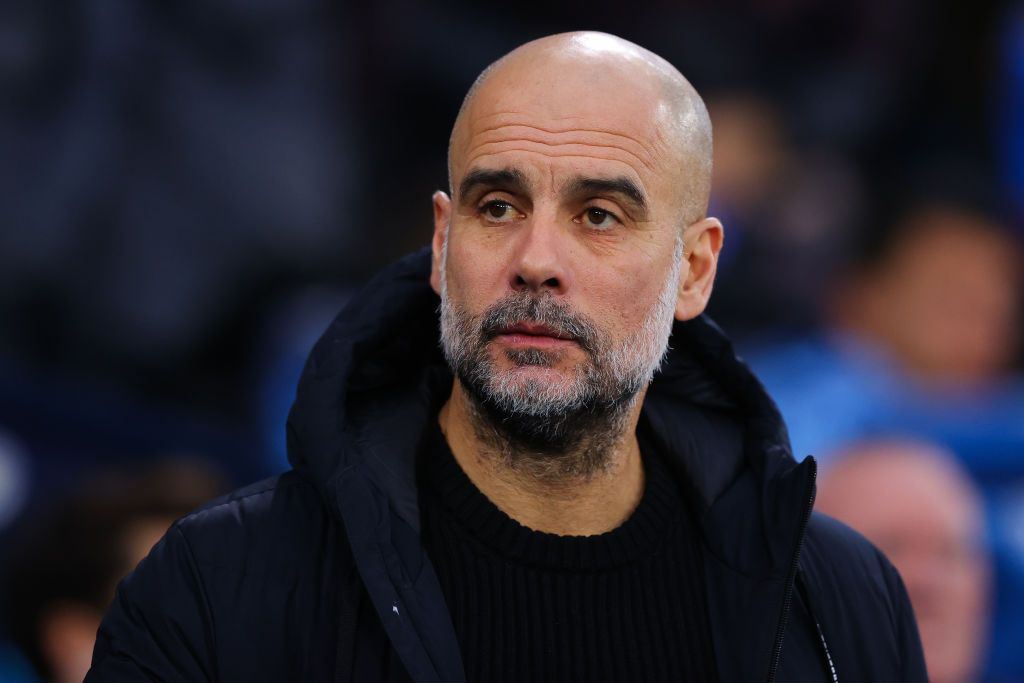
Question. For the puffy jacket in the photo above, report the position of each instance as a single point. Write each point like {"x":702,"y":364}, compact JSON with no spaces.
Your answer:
{"x":319,"y":574}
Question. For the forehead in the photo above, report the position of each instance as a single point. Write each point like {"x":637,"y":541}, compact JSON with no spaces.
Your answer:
{"x":540,"y":118}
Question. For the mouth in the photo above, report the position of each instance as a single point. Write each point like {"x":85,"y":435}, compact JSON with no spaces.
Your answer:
{"x":532,"y":334}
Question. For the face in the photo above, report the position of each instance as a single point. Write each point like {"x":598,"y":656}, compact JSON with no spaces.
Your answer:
{"x":952,"y":299}
{"x":541,"y":401}
{"x":559,"y":258}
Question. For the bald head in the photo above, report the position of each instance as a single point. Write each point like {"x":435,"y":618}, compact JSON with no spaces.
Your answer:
{"x":881,"y":483}
{"x":597,"y":79}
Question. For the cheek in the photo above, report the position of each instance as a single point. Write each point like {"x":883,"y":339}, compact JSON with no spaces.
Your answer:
{"x":473,"y":270}
{"x":622,"y":297}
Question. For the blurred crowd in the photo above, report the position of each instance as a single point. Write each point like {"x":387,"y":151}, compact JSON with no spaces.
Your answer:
{"x":193,"y":189}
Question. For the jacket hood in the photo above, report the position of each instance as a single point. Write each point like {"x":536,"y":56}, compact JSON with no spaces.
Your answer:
{"x":377,"y":376}
{"x":376,"y":379}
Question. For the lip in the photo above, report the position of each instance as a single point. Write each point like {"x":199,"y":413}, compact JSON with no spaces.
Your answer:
{"x":535,"y":330}
{"x":529,"y":334}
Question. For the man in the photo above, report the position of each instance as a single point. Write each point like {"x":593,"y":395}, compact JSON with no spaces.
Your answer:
{"x":939,"y":298}
{"x":534,"y":508}
{"x":921,"y":508}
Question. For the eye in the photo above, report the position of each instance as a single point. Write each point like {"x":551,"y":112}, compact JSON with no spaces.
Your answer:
{"x":499,"y":211}
{"x":598,"y":219}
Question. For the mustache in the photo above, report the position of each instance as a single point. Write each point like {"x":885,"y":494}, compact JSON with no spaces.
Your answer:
{"x":522,"y":307}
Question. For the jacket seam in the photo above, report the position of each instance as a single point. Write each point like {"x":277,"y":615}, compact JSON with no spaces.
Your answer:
{"x":206,"y":601}
{"x":230,"y":501}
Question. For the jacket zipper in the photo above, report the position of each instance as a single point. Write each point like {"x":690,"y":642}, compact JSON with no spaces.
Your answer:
{"x":790,"y":582}
{"x":828,"y":655}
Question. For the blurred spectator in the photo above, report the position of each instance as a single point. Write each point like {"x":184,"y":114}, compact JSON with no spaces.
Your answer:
{"x":924,"y":335}
{"x":942,"y":298}
{"x":64,"y":564}
{"x":925,"y":327}
{"x":917,"y":505}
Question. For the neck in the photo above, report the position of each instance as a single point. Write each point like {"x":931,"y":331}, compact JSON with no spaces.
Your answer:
{"x":553,"y":499}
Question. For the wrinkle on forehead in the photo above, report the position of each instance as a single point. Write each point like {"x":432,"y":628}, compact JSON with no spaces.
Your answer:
{"x":562,"y":142}
{"x":557,"y":176}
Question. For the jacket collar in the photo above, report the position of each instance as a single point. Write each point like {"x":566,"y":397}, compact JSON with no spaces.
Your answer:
{"x":372,"y":384}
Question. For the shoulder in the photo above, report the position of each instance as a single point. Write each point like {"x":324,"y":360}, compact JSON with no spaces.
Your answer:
{"x":268,"y":524}
{"x":860,"y":604}
{"x":834,"y":539}
{"x":270,"y":550}
{"x":836,"y":554}
{"x":264,"y":503}
{"x":849,"y":573}
{"x":255,"y":500}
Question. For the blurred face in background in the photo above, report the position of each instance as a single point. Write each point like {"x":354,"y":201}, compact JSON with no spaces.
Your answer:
{"x":750,"y":152}
{"x":914,"y":504}
{"x":945,"y":301}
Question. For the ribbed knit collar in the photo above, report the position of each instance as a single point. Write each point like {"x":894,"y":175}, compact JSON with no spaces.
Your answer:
{"x":657,"y":516}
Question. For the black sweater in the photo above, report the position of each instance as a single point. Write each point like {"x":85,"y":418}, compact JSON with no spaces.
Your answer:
{"x":627,"y":605}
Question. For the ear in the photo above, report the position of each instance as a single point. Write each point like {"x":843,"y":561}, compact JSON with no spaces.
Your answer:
{"x":702,"y":243}
{"x":442,"y":219}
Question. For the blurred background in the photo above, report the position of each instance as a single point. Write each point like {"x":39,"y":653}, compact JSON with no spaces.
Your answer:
{"x":191,"y":190}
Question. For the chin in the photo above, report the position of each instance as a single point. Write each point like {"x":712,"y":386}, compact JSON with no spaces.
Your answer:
{"x":537,"y":378}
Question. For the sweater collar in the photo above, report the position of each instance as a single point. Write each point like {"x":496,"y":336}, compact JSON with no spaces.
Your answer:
{"x":449,"y":491}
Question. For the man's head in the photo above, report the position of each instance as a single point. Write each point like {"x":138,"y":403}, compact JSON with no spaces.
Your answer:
{"x":575,"y":233}
{"x":941,"y":295}
{"x":914,"y":502}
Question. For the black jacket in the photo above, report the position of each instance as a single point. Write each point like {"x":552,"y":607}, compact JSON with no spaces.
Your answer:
{"x":319,"y":574}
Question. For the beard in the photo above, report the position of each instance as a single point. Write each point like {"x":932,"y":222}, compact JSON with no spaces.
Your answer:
{"x":562,"y":424}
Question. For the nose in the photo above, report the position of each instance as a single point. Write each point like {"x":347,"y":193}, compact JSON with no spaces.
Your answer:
{"x":539,"y":263}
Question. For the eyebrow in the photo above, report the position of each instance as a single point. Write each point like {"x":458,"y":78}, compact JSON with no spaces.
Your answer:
{"x":621,"y":186}
{"x":510,"y":180}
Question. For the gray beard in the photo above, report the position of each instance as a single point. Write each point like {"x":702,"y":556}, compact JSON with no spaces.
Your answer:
{"x":562,"y":429}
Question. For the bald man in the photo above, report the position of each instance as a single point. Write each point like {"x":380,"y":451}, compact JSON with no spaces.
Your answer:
{"x":554,"y":492}
{"x":917,"y":504}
